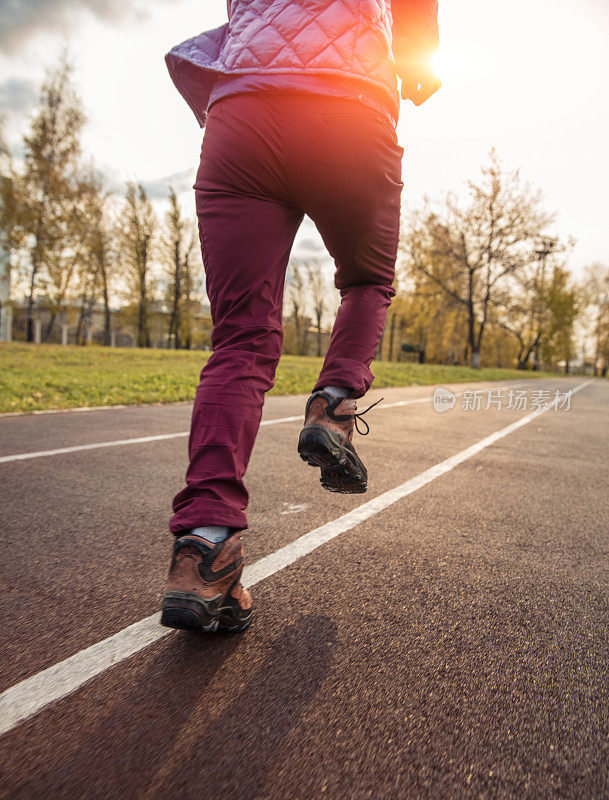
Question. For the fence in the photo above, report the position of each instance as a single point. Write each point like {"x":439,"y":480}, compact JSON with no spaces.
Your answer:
{"x":71,"y":327}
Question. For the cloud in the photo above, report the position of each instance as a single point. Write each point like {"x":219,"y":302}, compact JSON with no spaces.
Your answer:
{"x":115,"y":182}
{"x":179,"y":181}
{"x":17,"y":94}
{"x":20,"y":19}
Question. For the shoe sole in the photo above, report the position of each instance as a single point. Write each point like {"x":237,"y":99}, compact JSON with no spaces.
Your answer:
{"x":189,"y":612}
{"x":341,"y":469}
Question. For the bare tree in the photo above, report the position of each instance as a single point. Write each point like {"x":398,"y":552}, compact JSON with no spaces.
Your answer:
{"x":136,"y":231}
{"x":96,"y":256}
{"x":296,"y":296}
{"x":429,"y":319}
{"x":596,"y":297}
{"x":57,"y":277}
{"x":317,"y":289}
{"x":11,"y":198}
{"x":104,"y":256}
{"x":52,"y":153}
{"x":193,"y":284}
{"x":10,"y":228}
{"x":471,"y":249}
{"x":565,"y":302}
{"x":524,"y":308}
{"x":192,"y":279}
{"x":177,"y":248}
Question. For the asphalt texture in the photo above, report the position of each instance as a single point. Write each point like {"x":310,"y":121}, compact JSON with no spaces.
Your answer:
{"x":454,"y":645}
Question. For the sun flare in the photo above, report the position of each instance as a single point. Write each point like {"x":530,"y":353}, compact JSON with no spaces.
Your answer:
{"x":458,"y":65}
{"x":439,"y":63}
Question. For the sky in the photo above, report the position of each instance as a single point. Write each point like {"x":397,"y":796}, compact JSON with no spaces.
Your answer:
{"x":529,"y":77}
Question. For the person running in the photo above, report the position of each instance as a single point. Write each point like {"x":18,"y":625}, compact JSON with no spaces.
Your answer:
{"x":300,"y":103}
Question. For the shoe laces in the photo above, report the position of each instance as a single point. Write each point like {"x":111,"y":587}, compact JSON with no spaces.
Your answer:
{"x":358,"y":416}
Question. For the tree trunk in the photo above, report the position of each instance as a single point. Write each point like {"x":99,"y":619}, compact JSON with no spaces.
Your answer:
{"x":318,"y":335}
{"x":142,"y":338}
{"x":302,"y":344}
{"x":392,"y":336}
{"x":35,"y":265}
{"x":50,"y":326}
{"x":174,"y":321}
{"x":379,"y":349}
{"x":142,"y":333}
{"x":30,"y":307}
{"x":597,"y":348}
{"x":88,"y":318}
{"x":186,"y":340}
{"x":295,"y":314}
{"x":477,"y":348}
{"x":107,"y":319}
{"x":142,"y":322}
{"x":471,"y":321}
{"x":471,"y":338}
{"x":81,"y":319}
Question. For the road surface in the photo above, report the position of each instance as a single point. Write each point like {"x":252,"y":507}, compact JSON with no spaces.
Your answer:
{"x":442,"y":636}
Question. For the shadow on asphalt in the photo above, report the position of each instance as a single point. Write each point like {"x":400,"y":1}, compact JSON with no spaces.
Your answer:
{"x":176,"y":731}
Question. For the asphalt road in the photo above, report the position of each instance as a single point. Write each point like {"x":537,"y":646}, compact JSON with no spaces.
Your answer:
{"x":448,"y":642}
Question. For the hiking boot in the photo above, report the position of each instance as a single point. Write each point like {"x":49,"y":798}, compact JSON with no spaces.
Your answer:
{"x":203,"y":592}
{"x":326,"y":441}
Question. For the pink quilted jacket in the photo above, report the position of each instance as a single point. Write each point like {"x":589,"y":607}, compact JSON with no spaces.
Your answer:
{"x":353,"y":38}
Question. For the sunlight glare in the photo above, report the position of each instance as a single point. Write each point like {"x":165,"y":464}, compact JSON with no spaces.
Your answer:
{"x":457,"y":64}
{"x":438,"y":63}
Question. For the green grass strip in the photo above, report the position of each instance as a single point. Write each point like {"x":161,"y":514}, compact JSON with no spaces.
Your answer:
{"x":41,"y":377}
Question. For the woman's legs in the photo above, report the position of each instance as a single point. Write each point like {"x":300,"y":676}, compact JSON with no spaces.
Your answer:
{"x":345,"y":172}
{"x":246,"y":240}
{"x":265,"y":159}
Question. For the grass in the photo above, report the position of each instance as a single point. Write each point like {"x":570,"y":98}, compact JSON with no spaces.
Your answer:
{"x":34,"y":378}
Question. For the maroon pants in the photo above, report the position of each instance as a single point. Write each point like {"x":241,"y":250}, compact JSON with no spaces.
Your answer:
{"x":266,"y":160}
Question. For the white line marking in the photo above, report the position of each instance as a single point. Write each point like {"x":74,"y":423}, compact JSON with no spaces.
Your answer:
{"x":120,"y":443}
{"x":98,"y":445}
{"x":60,"y":451}
{"x":54,"y":683}
{"x":429,"y":399}
{"x":297,"y":418}
{"x":44,"y":411}
{"x":294,"y":508}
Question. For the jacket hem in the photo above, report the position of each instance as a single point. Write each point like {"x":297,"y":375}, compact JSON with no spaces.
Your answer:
{"x":187,"y":75}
